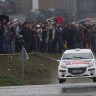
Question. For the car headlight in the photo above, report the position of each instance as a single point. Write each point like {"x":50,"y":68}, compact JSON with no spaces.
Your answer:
{"x":91,"y":64}
{"x":63,"y":66}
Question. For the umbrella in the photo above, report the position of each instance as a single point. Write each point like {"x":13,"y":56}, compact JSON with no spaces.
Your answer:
{"x":2,"y":17}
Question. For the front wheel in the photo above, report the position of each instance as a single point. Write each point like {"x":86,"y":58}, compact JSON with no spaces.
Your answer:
{"x":62,"y":80}
{"x":94,"y":79}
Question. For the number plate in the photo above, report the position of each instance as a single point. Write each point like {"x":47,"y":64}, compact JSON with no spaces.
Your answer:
{"x":77,"y":71}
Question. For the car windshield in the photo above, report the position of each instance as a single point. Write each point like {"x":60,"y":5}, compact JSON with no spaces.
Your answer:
{"x":77,"y":56}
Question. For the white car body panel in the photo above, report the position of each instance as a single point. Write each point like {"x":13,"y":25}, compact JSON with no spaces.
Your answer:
{"x":77,"y":67}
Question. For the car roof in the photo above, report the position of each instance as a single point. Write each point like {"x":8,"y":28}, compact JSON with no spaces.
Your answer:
{"x":78,"y":51}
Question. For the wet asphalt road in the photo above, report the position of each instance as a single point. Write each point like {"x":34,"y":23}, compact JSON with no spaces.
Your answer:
{"x":71,"y":94}
{"x":76,"y":89}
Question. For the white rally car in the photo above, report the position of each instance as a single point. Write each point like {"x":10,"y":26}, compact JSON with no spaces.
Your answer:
{"x":76,"y":63}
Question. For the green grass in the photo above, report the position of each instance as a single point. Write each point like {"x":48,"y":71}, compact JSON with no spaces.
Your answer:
{"x":9,"y":81}
{"x":37,"y":70}
{"x":54,"y":56}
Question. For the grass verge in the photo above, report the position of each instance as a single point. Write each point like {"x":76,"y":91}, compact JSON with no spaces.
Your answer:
{"x":39,"y":69}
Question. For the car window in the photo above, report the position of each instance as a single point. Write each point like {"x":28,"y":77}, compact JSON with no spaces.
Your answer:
{"x":77,"y":56}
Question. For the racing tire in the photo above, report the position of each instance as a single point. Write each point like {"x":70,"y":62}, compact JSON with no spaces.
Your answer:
{"x":94,"y":79}
{"x":62,"y":80}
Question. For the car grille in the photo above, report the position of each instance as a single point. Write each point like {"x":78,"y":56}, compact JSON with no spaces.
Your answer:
{"x":76,"y":71}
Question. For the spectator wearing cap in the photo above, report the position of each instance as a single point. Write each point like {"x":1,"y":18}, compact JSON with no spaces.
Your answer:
{"x":19,"y":42}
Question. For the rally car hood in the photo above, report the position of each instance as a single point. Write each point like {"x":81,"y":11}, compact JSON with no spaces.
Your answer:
{"x":77,"y":63}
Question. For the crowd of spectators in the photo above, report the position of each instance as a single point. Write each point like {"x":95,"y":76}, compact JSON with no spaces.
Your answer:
{"x":49,"y":36}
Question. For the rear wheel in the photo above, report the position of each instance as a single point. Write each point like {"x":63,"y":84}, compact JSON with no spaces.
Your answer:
{"x":94,"y":79}
{"x":62,"y":80}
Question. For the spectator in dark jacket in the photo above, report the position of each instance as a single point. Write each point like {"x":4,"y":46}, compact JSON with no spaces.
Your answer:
{"x":2,"y":30}
{"x":27,"y":35}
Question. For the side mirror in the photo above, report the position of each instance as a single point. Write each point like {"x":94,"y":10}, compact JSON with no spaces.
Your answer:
{"x":58,"y":60}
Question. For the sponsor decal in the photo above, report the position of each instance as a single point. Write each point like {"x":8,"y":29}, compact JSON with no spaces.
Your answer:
{"x":76,"y":62}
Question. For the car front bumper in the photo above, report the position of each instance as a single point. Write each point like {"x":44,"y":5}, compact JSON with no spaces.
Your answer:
{"x":87,"y":72}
